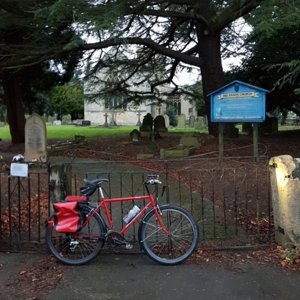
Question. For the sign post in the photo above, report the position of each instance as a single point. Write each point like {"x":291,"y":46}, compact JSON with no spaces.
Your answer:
{"x":238,"y":102}
{"x":221,"y":142}
{"x":255,"y":142}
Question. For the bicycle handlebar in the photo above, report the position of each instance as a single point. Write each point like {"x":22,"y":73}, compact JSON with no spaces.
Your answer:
{"x":152,"y":181}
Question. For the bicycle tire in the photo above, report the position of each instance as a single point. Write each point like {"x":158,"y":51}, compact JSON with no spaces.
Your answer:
{"x":90,"y":241}
{"x":179,"y":245}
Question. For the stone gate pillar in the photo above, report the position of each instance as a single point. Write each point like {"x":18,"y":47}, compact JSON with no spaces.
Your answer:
{"x":285,"y":194}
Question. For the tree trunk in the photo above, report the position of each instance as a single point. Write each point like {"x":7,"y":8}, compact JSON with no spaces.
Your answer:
{"x":12,"y":87}
{"x":211,"y":72}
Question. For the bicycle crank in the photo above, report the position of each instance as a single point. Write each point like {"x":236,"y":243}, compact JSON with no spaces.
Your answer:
{"x":73,"y":245}
{"x":116,"y":239}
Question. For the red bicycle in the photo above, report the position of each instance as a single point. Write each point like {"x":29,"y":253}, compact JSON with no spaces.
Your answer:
{"x":168,"y":234}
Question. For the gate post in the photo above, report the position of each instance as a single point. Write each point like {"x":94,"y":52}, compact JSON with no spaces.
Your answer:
{"x":285,"y":188}
{"x":59,"y":182}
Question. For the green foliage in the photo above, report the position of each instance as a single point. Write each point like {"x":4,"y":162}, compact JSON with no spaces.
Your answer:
{"x":277,"y":26}
{"x":273,"y":15}
{"x":274,"y":51}
{"x":67,"y":99}
{"x":291,"y":73}
{"x":197,"y":96}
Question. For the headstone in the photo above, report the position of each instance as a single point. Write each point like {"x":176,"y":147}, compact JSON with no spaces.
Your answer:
{"x":167,"y":121}
{"x":35,"y":139}
{"x":50,"y":119}
{"x":181,"y":121}
{"x":135,"y":135}
{"x":86,"y":123}
{"x":160,"y":125}
{"x":192,"y":121}
{"x":66,"y":119}
{"x":57,"y":122}
{"x":270,"y":125}
{"x":147,"y":123}
{"x":199,"y":123}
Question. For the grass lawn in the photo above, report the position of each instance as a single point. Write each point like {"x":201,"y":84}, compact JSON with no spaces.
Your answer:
{"x":69,"y":131}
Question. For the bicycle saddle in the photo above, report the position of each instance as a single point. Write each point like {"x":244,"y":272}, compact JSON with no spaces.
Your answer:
{"x":95,"y":182}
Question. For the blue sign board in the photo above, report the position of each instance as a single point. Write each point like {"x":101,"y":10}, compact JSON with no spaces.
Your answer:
{"x":238,"y":102}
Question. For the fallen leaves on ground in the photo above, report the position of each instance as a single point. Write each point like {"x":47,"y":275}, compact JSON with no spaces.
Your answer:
{"x":36,"y":280}
{"x":288,"y":259}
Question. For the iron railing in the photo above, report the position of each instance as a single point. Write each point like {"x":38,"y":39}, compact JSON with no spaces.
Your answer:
{"x":231,"y":201}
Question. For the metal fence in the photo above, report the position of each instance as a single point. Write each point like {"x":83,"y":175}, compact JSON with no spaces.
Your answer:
{"x":23,"y":209}
{"x":231,"y":202}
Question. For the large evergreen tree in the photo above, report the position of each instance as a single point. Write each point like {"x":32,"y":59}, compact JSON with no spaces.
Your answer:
{"x":26,"y":47}
{"x":273,"y":59}
{"x":178,"y":34}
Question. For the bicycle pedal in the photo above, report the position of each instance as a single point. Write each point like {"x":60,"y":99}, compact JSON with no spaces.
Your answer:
{"x":128,"y":246}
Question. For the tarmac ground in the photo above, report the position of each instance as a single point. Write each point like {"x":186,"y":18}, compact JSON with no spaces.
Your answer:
{"x":135,"y":276}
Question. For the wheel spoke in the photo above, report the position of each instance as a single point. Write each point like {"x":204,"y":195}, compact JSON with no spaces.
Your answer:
{"x":77,"y":248}
{"x":173,"y":248}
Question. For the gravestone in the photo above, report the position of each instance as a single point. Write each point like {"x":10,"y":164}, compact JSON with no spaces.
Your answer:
{"x":192,"y":121}
{"x":147,"y":123}
{"x":167,"y":121}
{"x":181,"y":121}
{"x":160,"y":125}
{"x":66,"y":119}
{"x":135,"y":135}
{"x":200,"y":123}
{"x":270,"y":125}
{"x":86,"y":123}
{"x":57,"y":122}
{"x":139,"y":123}
{"x":50,"y":119}
{"x":35,"y":139}
{"x":105,"y":118}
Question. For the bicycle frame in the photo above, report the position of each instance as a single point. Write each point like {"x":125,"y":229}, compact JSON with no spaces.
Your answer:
{"x":168,"y":234}
{"x":103,"y":203}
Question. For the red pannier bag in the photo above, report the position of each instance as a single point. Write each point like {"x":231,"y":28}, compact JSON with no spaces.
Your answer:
{"x":67,"y":217}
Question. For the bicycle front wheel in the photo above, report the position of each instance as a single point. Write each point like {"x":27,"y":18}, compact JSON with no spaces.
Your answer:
{"x":77,"y":248}
{"x":172,"y":248}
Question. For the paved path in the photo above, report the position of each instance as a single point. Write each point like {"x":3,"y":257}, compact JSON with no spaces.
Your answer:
{"x":136,"y":277}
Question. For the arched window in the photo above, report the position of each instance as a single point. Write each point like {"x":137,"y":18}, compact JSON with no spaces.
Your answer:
{"x":116,"y":100}
{"x":174,"y":102}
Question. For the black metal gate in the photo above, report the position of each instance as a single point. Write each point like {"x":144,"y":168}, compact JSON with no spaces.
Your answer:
{"x":231,"y":202}
{"x":24,"y":208}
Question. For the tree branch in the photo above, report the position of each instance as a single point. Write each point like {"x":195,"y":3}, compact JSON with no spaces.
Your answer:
{"x":185,"y":57}
{"x":236,"y":10}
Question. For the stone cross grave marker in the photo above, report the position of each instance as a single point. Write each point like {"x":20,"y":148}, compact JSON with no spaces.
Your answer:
{"x":35,"y":139}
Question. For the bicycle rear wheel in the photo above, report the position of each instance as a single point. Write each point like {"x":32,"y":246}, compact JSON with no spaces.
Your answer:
{"x":176,"y":247}
{"x":77,"y":248}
